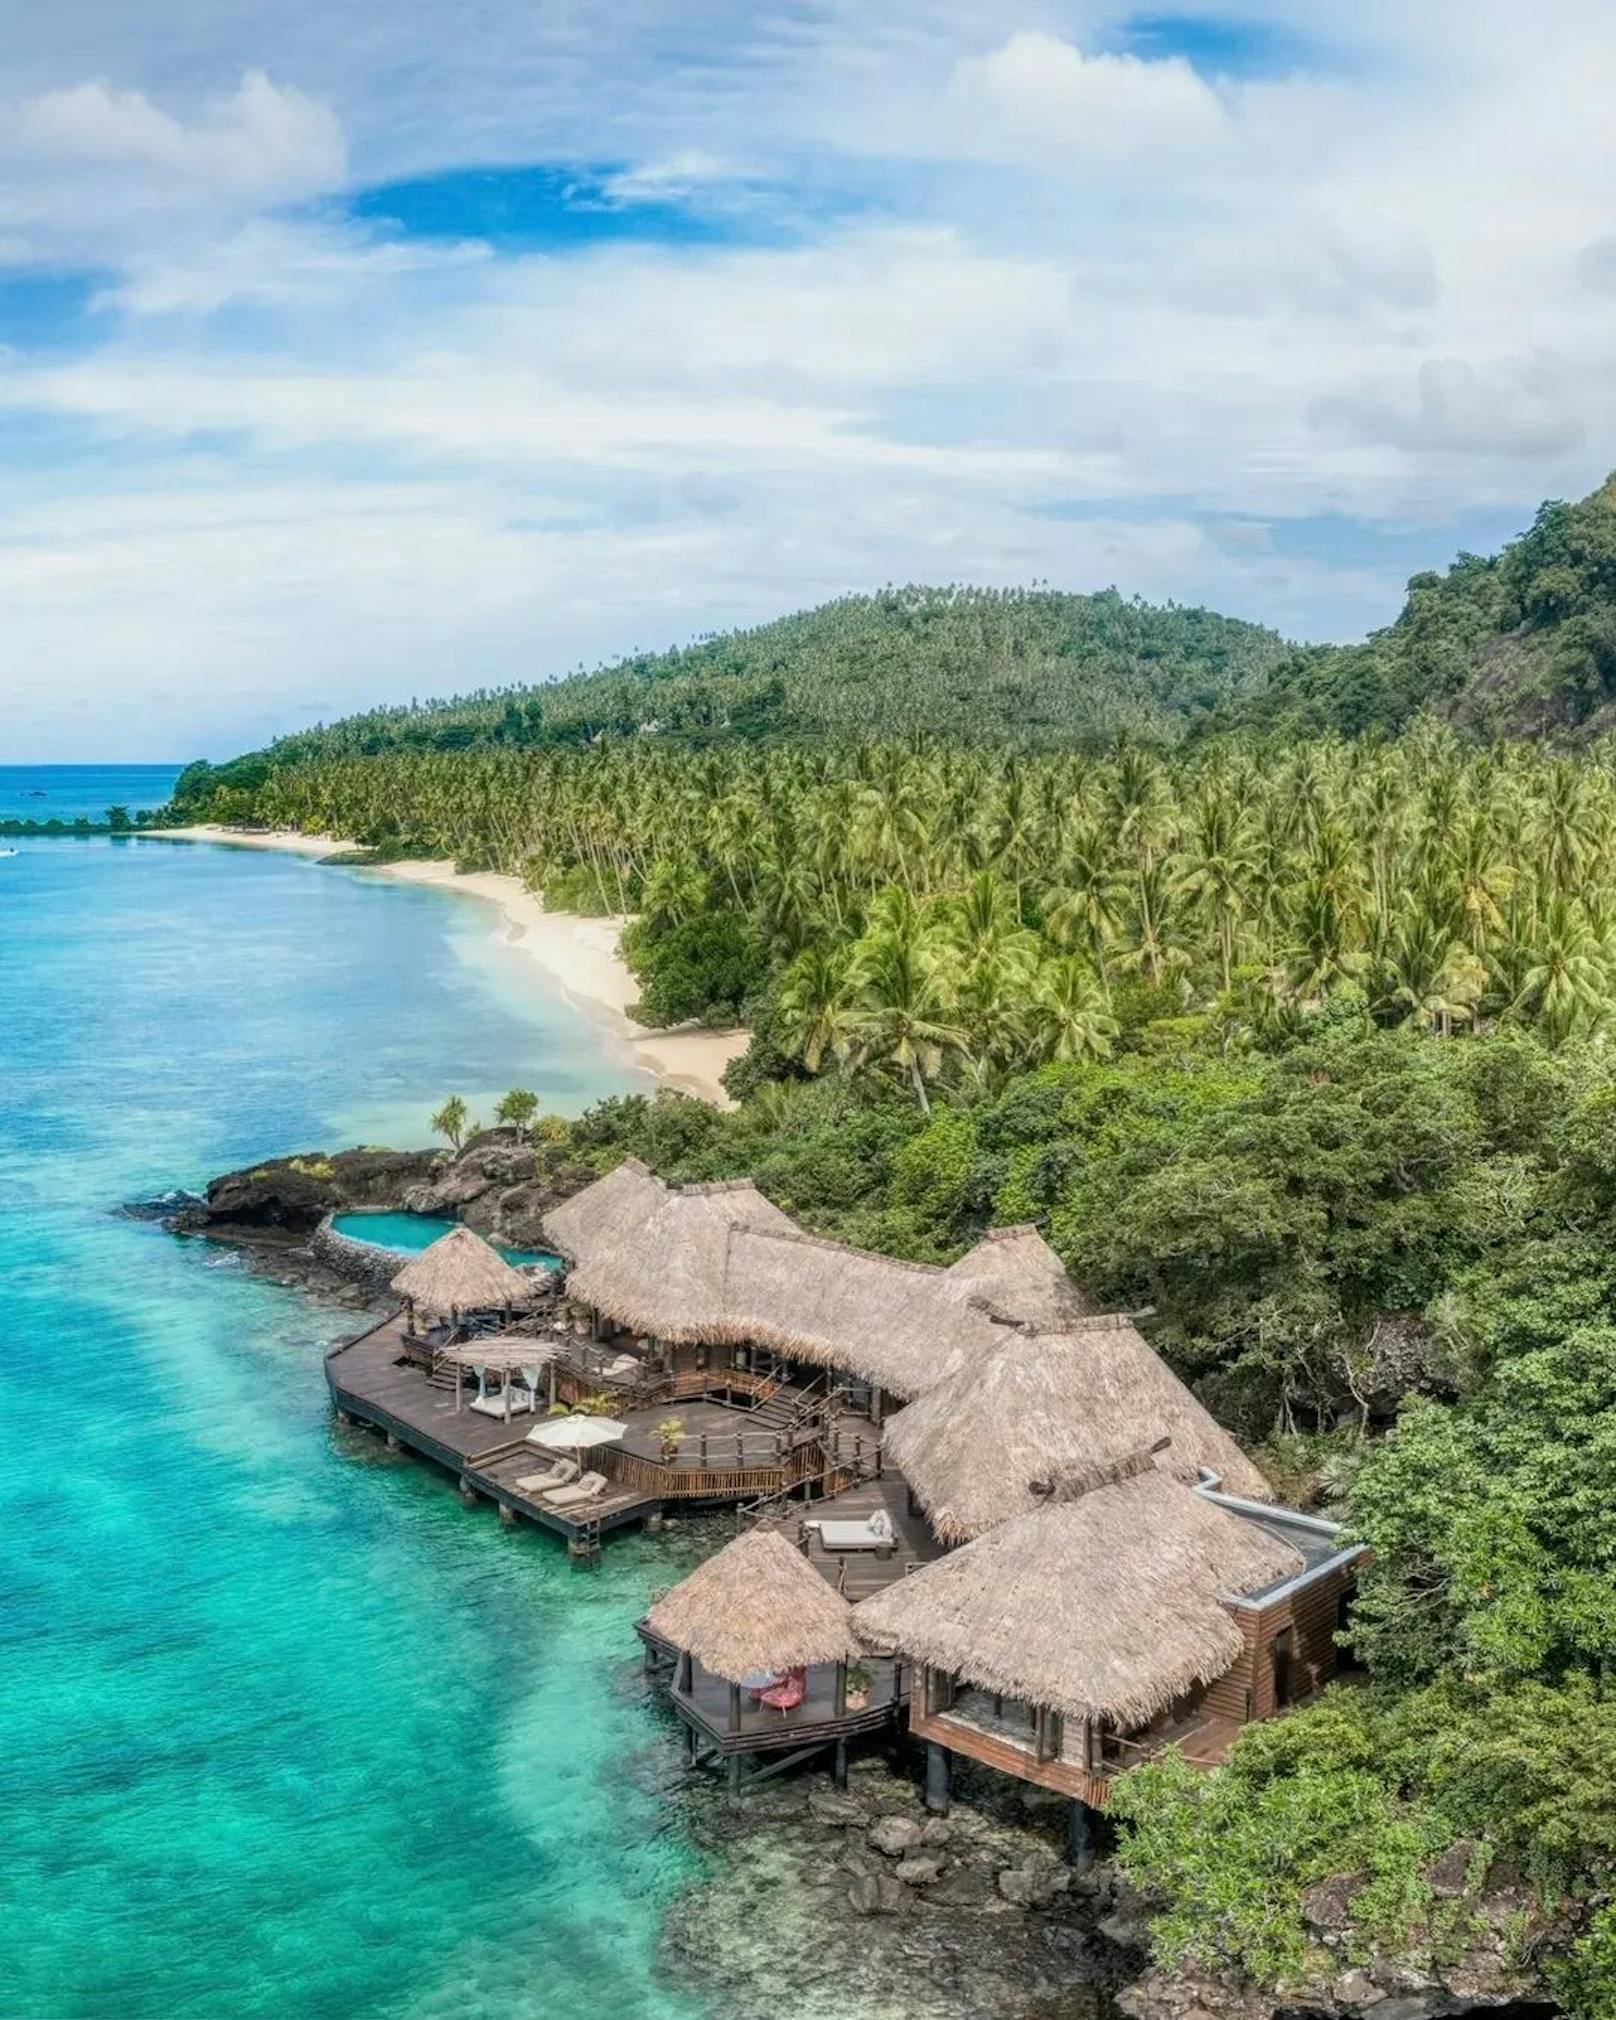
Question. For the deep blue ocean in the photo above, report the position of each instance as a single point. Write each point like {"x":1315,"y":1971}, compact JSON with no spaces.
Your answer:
{"x":81,"y":792}
{"x":285,"y":1731}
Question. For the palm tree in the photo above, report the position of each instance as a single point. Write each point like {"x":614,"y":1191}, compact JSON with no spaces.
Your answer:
{"x":451,"y":1120}
{"x":812,"y":1011}
{"x":901,"y":1016}
{"x":1567,"y":988}
{"x":1072,"y":1017}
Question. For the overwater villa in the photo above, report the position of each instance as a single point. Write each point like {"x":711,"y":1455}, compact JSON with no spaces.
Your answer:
{"x":1128,"y":1612}
{"x":762,"y":1662}
{"x":966,"y":1499}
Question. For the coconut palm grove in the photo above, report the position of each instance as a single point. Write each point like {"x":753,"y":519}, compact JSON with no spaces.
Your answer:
{"x":1277,"y":985}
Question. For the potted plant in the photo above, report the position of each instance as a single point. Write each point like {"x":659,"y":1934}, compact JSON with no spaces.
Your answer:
{"x":669,"y":1432}
{"x":858,"y":1686}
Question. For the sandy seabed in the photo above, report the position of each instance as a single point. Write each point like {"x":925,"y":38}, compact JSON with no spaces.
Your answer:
{"x":580,"y":957}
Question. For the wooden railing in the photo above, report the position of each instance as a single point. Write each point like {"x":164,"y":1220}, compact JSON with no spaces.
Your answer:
{"x":691,"y":1483}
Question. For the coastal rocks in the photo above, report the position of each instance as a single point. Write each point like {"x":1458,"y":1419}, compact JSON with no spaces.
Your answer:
{"x":292,"y":1195}
{"x":895,"y":1835}
{"x":276,"y":1213}
{"x":831,"y":1806}
{"x":1035,"y":1882}
{"x":862,"y":1919}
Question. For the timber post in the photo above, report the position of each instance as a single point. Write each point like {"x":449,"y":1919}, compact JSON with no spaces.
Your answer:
{"x":937,"y":1778}
{"x":1079,"y":1835}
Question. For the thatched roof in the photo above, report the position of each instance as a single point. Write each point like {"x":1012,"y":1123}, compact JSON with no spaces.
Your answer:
{"x":1016,"y":1275}
{"x":757,"y":1605}
{"x":1039,"y":1404}
{"x":509,"y":1350}
{"x":904,"y":1325}
{"x":460,"y":1272}
{"x":604,"y":1213}
{"x":663,"y":1272}
{"x":1108,"y":1606}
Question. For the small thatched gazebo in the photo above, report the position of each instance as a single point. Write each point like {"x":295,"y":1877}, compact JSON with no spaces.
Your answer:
{"x":758,"y":1617}
{"x":460,"y":1273}
{"x":975,"y":1448}
{"x":758,"y":1605}
{"x":1105,"y":1607}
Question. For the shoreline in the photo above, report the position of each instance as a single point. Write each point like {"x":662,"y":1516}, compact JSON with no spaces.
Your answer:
{"x":578,"y":955}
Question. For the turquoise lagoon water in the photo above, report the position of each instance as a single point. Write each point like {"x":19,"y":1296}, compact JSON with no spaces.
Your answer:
{"x":409,"y":1233}
{"x":284,"y":1730}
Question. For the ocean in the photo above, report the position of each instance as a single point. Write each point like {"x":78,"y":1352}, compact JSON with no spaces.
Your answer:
{"x":285,"y":1731}
{"x":82,"y":792}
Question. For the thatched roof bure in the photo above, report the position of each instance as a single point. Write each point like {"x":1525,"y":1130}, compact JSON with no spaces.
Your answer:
{"x":1039,"y":1404}
{"x":1108,"y":1606}
{"x":758,"y":1605}
{"x":664,"y":1272}
{"x":1016,"y":1275}
{"x":460,"y":1272}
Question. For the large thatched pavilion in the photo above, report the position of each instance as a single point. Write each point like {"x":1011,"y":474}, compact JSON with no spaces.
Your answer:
{"x":704,"y":1268}
{"x":1129,"y":1611}
{"x":763,"y":1648}
{"x":976,"y":1448}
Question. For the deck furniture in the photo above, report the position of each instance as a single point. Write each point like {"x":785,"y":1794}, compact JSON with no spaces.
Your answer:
{"x":507,"y":1402}
{"x":589,"y":1488}
{"x":561,"y":1474}
{"x":875,"y":1533}
{"x":787,"y":1694}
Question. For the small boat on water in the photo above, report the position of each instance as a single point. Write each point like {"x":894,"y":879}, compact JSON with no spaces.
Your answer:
{"x":7,"y":852}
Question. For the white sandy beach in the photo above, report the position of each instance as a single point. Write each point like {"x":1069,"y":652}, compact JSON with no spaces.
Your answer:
{"x":579,"y":955}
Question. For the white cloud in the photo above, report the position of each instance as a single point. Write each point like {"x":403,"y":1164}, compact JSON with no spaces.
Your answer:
{"x":92,"y":169}
{"x":1041,"y":100}
{"x":666,"y":180}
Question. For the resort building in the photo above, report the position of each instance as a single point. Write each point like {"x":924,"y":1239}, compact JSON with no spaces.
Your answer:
{"x":1129,"y":1612}
{"x":966,"y":1500}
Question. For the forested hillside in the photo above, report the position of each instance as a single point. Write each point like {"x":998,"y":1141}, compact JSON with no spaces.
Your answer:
{"x":1518,"y":644}
{"x":1031,"y":666}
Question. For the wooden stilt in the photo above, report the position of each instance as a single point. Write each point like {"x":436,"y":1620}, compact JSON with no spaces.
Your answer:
{"x":1080,"y":1836}
{"x":840,"y":1769}
{"x":508,"y":1515}
{"x":937,"y":1778}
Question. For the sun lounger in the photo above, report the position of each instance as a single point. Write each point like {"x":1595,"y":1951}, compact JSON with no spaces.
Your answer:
{"x":561,"y":1474}
{"x":589,"y":1488}
{"x":622,"y":1368}
{"x":874,"y":1533}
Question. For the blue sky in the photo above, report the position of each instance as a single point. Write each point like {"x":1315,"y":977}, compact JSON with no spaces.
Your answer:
{"x":346,"y":353}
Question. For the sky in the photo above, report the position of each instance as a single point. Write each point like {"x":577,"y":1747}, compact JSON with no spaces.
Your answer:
{"x":355,"y":352}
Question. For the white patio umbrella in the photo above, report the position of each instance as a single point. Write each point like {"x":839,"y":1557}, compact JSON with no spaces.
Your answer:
{"x":576,"y":1433}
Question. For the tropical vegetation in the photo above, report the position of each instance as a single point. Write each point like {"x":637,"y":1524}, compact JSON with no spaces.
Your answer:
{"x":1291,"y":1031}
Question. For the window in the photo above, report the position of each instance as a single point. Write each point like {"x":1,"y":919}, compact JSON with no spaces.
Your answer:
{"x":1283,"y":1647}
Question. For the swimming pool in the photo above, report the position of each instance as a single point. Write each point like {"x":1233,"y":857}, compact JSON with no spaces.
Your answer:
{"x":408,"y":1233}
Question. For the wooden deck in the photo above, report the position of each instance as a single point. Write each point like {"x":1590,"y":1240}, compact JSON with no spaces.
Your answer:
{"x":814,"y":1722}
{"x":858,"y":1573}
{"x":369,"y":1383}
{"x":728,"y":1452}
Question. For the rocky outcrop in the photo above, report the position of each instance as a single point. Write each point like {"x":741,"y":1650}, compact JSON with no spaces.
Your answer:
{"x":277,"y":1212}
{"x":832,"y":1903}
{"x":501,"y":1187}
